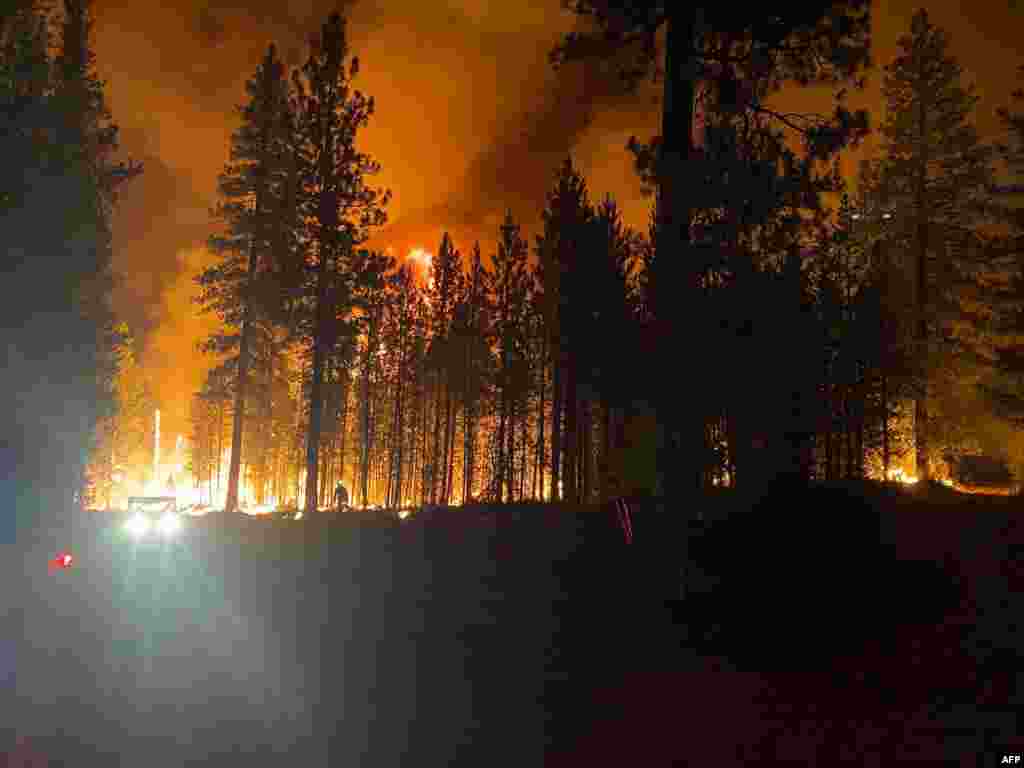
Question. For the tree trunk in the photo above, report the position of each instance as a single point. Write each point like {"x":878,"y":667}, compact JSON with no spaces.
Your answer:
{"x":396,"y":497}
{"x":557,"y":400}
{"x":850,"y":459}
{"x":586,"y":470}
{"x":316,"y":387}
{"x":325,"y":472}
{"x":679,"y":439}
{"x":343,"y":429}
{"x":538,"y":483}
{"x":572,"y":407}
{"x":364,"y":464}
{"x":499,"y":470}
{"x":468,"y":432}
{"x":523,"y":454}
{"x":510,"y":457}
{"x":886,"y":457}
{"x":240,"y":390}
{"x":435,"y":458}
{"x":449,"y":447}
{"x":829,"y":475}
{"x":220,"y":438}
{"x":424,"y":458}
{"x":921,"y":402}
{"x":860,"y":446}
{"x":604,"y":454}
{"x":467,"y":418}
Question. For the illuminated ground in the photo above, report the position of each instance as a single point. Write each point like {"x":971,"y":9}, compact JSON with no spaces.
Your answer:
{"x":511,"y":638}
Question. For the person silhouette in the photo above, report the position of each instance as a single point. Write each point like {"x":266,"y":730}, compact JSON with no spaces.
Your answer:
{"x":340,"y":496}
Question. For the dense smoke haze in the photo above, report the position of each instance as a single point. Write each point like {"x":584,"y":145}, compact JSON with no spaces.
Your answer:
{"x":471,"y":120}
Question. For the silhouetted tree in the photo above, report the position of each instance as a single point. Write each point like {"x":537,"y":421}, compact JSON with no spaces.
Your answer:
{"x":443,"y":292}
{"x":614,"y":252}
{"x":251,"y":208}
{"x":559,"y":247}
{"x":56,"y":198}
{"x":469,"y":328}
{"x":936,"y":172}
{"x":338,"y":207}
{"x":732,"y":52}
{"x":510,"y":291}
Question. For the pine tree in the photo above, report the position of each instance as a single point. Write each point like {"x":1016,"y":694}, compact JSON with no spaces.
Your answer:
{"x":338,"y":207}
{"x":469,"y":328}
{"x":615,"y":252}
{"x":935,"y":169}
{"x":446,"y":273}
{"x":399,"y":332}
{"x":56,"y":200}
{"x":251,"y":189}
{"x":1011,"y":152}
{"x":510,"y":291}
{"x":565,"y":219}
{"x":730,"y":50}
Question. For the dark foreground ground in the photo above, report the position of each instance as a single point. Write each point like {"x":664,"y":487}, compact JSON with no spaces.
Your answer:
{"x":822,"y":630}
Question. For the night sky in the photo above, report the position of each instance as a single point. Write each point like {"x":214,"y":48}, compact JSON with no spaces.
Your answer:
{"x":470,"y":119}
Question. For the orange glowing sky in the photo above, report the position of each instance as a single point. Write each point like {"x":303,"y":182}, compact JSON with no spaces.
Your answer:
{"x":470,"y":119}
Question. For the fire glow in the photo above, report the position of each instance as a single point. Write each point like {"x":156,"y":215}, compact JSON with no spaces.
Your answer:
{"x":899,"y":476}
{"x":422,"y":258}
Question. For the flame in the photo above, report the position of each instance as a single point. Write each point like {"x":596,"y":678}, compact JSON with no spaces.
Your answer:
{"x":422,"y":258}
{"x":898,"y":475}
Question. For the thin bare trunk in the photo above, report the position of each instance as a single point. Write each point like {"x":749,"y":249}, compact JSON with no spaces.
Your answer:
{"x":557,"y":401}
{"x":572,"y":435}
{"x":604,"y":465}
{"x":538,"y":475}
{"x":922,"y":213}
{"x":449,"y":448}
{"x":522,"y":455}
{"x":364,"y":465}
{"x":316,"y":390}
{"x":588,"y":458}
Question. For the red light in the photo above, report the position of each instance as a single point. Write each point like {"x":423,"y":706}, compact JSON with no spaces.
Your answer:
{"x":63,"y":560}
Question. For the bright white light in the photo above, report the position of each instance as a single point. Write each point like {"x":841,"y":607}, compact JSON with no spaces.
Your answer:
{"x":169,"y":524}
{"x":886,"y":215}
{"x":403,"y":513}
{"x":298,"y":515}
{"x":138,"y":526}
{"x":855,"y":216}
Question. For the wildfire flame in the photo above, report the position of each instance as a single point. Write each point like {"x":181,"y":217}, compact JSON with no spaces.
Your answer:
{"x":422,"y":258}
{"x":898,"y":475}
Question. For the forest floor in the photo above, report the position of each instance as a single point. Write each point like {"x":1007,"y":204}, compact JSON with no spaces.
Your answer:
{"x":855,"y":626}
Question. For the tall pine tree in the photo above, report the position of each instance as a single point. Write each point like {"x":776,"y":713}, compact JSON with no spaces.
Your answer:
{"x":252,"y":189}
{"x":935,"y":174}
{"x":338,"y":207}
